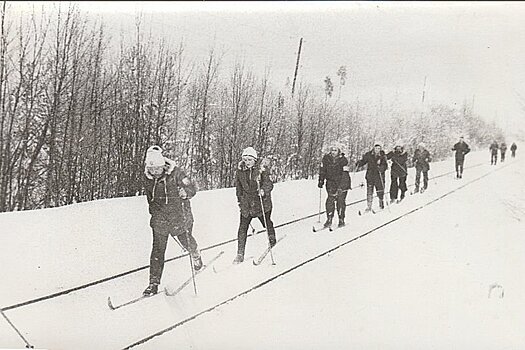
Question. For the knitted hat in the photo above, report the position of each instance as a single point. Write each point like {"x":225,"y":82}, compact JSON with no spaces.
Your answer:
{"x":250,"y":152}
{"x":154,"y":157}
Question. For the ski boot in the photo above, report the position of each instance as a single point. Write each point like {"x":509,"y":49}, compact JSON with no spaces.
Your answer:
{"x":392,"y":200}
{"x":238,"y":259}
{"x":152,"y":289}
{"x":381,"y":204}
{"x":402,"y":196}
{"x":197,"y":260}
{"x":341,"y":222}
{"x":272,"y":240}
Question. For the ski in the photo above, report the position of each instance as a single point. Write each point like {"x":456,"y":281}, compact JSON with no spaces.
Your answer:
{"x":142,"y":297}
{"x":220,"y":269}
{"x":371,"y":211}
{"x":260,"y":259}
{"x":318,"y":229}
{"x":189,"y":280}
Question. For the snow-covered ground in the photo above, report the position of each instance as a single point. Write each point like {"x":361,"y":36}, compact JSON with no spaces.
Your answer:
{"x":421,"y":281}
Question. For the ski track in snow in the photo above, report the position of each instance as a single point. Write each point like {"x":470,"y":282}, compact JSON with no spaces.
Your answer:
{"x":82,"y":319}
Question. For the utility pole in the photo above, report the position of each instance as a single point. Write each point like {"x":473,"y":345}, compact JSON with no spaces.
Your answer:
{"x":297,"y":65}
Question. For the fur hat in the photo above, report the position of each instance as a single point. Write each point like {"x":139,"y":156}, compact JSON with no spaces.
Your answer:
{"x":154,"y":157}
{"x":250,"y":152}
{"x":421,"y":144}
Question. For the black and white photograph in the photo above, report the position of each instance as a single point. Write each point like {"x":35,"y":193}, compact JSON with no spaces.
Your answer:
{"x":262,"y":175}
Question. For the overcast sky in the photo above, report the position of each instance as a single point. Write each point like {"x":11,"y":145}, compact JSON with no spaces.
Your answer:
{"x":468,"y":51}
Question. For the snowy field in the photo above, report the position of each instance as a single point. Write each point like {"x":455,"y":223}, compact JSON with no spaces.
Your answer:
{"x":414,"y":276}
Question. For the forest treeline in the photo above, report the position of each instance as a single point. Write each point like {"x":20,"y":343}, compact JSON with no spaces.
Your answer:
{"x":77,"y":114}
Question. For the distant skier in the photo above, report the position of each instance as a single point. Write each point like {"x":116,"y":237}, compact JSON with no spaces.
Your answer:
{"x":461,"y":149}
{"x":503,"y":150}
{"x":253,"y":180}
{"x":375,"y":175}
{"x":398,"y":172}
{"x":422,"y":161}
{"x":168,"y":191}
{"x":513,"y":149}
{"x":493,"y":153}
{"x":334,"y":169}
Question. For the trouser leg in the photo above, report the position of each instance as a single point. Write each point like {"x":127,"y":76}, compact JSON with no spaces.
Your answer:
{"x":341,"y":205}
{"x":156,"y":262}
{"x":270,"y":230}
{"x":369,"y":193}
{"x":418,"y":178}
{"x":330,"y":202}
{"x":393,"y":187}
{"x":425,"y":179}
{"x":242,"y":234}
{"x":403,"y":185}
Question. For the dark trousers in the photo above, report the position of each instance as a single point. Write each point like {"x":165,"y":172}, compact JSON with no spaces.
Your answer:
{"x":158,"y":250}
{"x":493,"y":158}
{"x":459,"y":166}
{"x":425,"y":178}
{"x":502,"y":156}
{"x":397,"y":183}
{"x":242,"y":233}
{"x":377,"y":183}
{"x":334,"y":199}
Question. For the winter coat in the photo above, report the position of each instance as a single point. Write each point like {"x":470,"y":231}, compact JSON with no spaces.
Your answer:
{"x":461,"y":149}
{"x":503,"y":148}
{"x":494,"y":147}
{"x":513,"y":147}
{"x":247,"y":189}
{"x":335,"y":172}
{"x":168,"y":210}
{"x":376,"y":165}
{"x":399,"y":163}
{"x":421,"y":160}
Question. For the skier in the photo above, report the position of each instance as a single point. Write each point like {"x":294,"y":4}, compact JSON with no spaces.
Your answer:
{"x":253,"y":184}
{"x":334,"y":169}
{"x":503,"y":150}
{"x":398,"y":172}
{"x":375,"y":174}
{"x":461,"y":149}
{"x":493,"y":153}
{"x":513,"y":149}
{"x":422,"y":161}
{"x":168,"y":191}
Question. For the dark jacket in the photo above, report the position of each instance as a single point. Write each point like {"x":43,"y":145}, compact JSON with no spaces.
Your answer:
{"x":168,"y":210}
{"x":513,"y":147}
{"x":399,"y":162}
{"x":336,"y":172}
{"x":494,"y":147}
{"x":503,"y":147}
{"x":376,"y":165}
{"x":249,"y":180}
{"x":461,"y":149}
{"x":422,"y":159}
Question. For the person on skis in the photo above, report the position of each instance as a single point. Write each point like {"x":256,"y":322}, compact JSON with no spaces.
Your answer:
{"x":335,"y":170}
{"x":462,"y":149}
{"x":253,"y":186}
{"x":503,"y":150}
{"x":168,"y":191}
{"x":421,"y":161}
{"x":493,"y":152}
{"x":376,"y":162}
{"x":513,"y":149}
{"x":398,"y":172}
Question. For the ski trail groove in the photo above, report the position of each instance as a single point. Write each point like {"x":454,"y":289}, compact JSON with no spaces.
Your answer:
{"x":263,"y":283}
{"x":109,"y":278}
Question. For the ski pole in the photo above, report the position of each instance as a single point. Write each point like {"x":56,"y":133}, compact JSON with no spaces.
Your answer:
{"x":319,"y":216}
{"x":191,"y":261}
{"x":264,"y":219}
{"x":28,"y":346}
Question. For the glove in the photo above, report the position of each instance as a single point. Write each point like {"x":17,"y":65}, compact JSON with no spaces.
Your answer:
{"x":320,"y":184}
{"x":339,"y":191}
{"x":261,"y":192}
{"x":182,"y":193}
